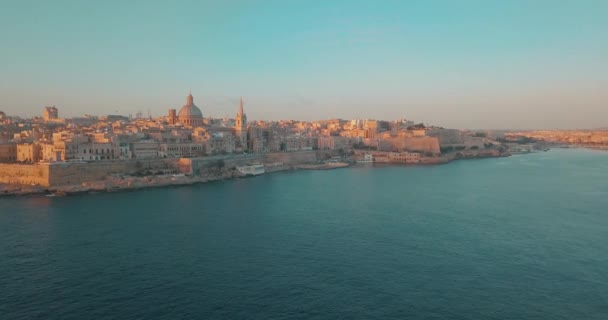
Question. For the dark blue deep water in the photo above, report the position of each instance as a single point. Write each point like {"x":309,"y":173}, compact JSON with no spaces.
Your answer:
{"x":524,"y":237}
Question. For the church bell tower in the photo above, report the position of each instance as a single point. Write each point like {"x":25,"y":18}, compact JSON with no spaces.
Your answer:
{"x":240,"y":126}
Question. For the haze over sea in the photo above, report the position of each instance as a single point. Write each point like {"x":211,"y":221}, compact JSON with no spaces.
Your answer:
{"x":522,"y":237}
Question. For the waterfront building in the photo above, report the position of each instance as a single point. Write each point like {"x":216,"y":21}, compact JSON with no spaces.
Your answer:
{"x":335,"y":143}
{"x":181,"y":149}
{"x":296,"y":143}
{"x":28,"y":152}
{"x":94,"y":151}
{"x":404,"y":157}
{"x":8,"y":152}
{"x":221,"y":142}
{"x":68,"y":149}
{"x":145,"y":149}
{"x":258,"y":139}
{"x":48,"y":152}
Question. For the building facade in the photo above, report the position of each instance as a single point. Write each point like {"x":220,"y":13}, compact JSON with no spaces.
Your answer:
{"x":50,"y":113}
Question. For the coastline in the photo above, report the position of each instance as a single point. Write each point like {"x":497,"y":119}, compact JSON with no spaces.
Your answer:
{"x":132,"y":183}
{"x":120,"y":183}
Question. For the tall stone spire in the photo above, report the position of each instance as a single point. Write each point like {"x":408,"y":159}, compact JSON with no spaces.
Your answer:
{"x":240,"y":126}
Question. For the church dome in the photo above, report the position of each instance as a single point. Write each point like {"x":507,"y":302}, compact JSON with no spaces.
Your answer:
{"x":190,"y":114}
{"x":190,"y":111}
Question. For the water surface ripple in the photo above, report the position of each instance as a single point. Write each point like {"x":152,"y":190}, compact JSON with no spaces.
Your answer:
{"x":512,"y":238}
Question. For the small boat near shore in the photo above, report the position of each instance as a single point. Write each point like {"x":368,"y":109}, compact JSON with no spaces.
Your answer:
{"x":57,"y":194}
{"x":252,"y":170}
{"x":367,"y":158}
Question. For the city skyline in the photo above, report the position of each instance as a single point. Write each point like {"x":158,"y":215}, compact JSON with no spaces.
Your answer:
{"x":483,"y":65}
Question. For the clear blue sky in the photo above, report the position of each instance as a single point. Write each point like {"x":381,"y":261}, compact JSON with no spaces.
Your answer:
{"x":466,"y":64}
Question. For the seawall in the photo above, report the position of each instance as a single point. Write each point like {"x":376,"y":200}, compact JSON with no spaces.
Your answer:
{"x":77,"y":173}
{"x":62,"y":173}
{"x":70,"y":173}
{"x":25,"y":174}
{"x":200,"y":166}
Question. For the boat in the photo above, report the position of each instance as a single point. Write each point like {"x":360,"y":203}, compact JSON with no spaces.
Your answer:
{"x":252,"y":170}
{"x":57,"y":194}
{"x":367,"y":158}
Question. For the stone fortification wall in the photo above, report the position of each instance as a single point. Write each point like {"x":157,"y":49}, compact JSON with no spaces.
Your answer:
{"x":198,"y":166}
{"x":26,"y":174}
{"x":455,"y":138}
{"x":474,"y":142}
{"x":75,"y":173}
{"x":64,"y":173}
{"x":447,"y":137}
{"x":291,"y":158}
{"x":422,"y":144}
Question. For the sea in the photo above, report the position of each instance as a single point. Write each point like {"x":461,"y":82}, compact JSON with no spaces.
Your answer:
{"x":522,"y":237}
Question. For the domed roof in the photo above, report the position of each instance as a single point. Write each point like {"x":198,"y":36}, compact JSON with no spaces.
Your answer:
{"x":189,"y":110}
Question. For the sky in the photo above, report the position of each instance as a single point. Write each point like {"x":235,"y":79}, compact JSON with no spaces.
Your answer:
{"x":488,"y":64}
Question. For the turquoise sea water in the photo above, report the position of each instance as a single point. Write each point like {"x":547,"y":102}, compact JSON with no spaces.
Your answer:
{"x":524,"y":237}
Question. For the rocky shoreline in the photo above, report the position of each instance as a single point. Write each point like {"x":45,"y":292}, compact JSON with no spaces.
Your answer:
{"x":119,"y":183}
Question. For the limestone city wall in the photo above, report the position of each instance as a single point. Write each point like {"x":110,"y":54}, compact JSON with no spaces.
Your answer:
{"x":72,"y":173}
{"x":25,"y":174}
{"x":422,"y":144}
{"x":197,"y":166}
{"x":65,"y":173}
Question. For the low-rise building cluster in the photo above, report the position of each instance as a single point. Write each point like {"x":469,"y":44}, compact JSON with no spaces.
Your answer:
{"x":580,"y":137}
{"x":188,"y":134}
